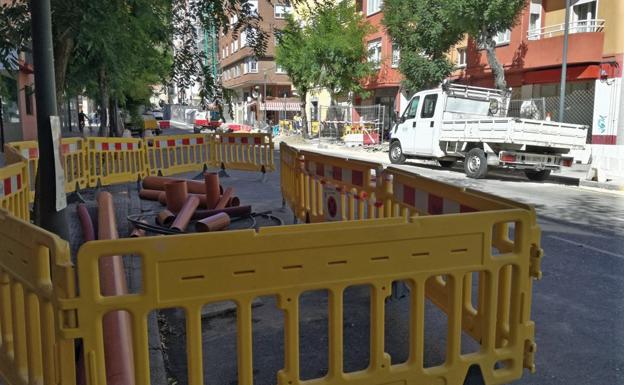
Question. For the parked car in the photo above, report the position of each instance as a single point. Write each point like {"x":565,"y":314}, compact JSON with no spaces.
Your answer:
{"x":457,"y":122}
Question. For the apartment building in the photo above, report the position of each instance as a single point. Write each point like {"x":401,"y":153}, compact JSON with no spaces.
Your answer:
{"x":532,"y":52}
{"x":17,"y":97}
{"x":385,"y":86}
{"x":263,"y":89}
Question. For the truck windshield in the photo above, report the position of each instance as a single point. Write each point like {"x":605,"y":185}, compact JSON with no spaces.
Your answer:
{"x":467,"y":106}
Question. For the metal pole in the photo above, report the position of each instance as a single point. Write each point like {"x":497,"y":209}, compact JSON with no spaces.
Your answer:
{"x":1,"y":128}
{"x":564,"y":64}
{"x":46,"y":215}
{"x":264,"y":97}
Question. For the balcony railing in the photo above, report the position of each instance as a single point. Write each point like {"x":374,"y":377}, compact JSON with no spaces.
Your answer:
{"x":580,"y":26}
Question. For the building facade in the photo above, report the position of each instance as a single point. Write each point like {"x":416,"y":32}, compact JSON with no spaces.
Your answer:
{"x":17,"y":100}
{"x":385,"y":86}
{"x":532,"y":52}
{"x":263,"y":90}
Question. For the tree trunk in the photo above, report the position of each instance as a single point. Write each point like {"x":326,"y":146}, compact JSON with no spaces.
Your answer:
{"x":114,"y":129}
{"x":304,"y":116}
{"x":104,"y":97}
{"x":63,"y":48}
{"x":497,"y":69}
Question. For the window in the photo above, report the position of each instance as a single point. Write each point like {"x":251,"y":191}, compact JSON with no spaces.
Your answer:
{"x":429,"y":104}
{"x":234,"y":20}
{"x":373,"y":6}
{"x":235,"y":45}
{"x":227,"y":51}
{"x":410,"y":111}
{"x":374,"y":52}
{"x":237,"y":70}
{"x":279,"y":69}
{"x":396,"y":55}
{"x":253,"y":6}
{"x":503,"y":37}
{"x":250,"y":66}
{"x":232,"y":47}
{"x":223,"y":52}
{"x":535,"y":17}
{"x":461,"y":57}
{"x":282,"y":9}
{"x":243,"y":38}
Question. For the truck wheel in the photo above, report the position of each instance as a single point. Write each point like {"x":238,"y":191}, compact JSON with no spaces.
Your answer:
{"x":447,"y":163}
{"x":537,"y":175}
{"x":475,"y":164}
{"x":396,"y":153}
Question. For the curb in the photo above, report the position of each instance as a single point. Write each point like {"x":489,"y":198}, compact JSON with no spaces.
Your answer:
{"x":572,"y":181}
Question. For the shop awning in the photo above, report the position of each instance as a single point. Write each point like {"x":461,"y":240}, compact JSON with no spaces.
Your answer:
{"x":277,"y":105}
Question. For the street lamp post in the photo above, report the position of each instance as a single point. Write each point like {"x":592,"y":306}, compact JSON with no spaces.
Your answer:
{"x":264,"y":96}
{"x":564,"y":62}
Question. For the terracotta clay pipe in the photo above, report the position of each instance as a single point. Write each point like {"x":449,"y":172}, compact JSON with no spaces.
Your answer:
{"x":233,"y":202}
{"x":150,"y":195}
{"x":162,"y":198}
{"x":213,"y":223}
{"x":116,"y":325}
{"x":176,"y":194}
{"x":241,"y":211}
{"x":158,"y":183}
{"x":212,"y":189}
{"x":225,"y":198}
{"x":165,"y":218}
{"x":185,"y":214}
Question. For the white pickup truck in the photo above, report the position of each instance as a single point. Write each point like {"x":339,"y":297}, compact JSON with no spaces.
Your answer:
{"x":457,"y":122}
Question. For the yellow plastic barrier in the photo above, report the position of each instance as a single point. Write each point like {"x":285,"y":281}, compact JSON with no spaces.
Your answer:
{"x":29,"y":150}
{"x":115,"y":160}
{"x":14,"y":188}
{"x":74,"y":158}
{"x":291,"y":177}
{"x":337,"y":189}
{"x":287,"y":262}
{"x":245,"y":151}
{"x":35,"y":273}
{"x":167,"y":155}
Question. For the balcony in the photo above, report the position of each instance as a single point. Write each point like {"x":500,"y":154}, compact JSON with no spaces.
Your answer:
{"x":579,"y":26}
{"x":544,"y":47}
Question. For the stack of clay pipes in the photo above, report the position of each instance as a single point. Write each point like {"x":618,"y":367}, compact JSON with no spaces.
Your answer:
{"x":187,"y":200}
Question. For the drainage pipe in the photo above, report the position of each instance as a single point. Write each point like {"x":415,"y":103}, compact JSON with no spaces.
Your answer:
{"x":116,"y":325}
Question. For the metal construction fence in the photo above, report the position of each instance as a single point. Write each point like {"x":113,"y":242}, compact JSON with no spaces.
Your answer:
{"x":103,"y":161}
{"x":578,"y":104}
{"x":471,"y":254}
{"x":353,"y":125}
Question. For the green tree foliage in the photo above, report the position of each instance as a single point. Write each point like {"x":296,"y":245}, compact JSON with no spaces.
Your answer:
{"x":427,"y":29}
{"x":483,"y":20}
{"x":14,"y":33}
{"x":325,"y":49}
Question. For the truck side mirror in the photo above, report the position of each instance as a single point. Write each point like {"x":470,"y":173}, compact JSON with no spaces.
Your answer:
{"x":402,"y":119}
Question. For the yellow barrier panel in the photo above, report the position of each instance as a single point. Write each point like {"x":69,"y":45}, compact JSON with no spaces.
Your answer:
{"x":35,"y":273}
{"x":74,"y":158}
{"x":245,"y":151}
{"x":14,"y":188}
{"x":288,"y":261}
{"x":115,"y":160}
{"x":290,"y":176}
{"x":337,"y":189}
{"x":167,"y":155}
{"x":29,"y":150}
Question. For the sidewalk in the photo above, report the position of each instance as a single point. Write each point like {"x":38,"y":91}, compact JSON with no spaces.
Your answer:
{"x":575,"y":175}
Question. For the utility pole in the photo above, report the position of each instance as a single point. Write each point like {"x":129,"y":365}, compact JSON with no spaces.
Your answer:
{"x":46,"y":215}
{"x":564,"y":62}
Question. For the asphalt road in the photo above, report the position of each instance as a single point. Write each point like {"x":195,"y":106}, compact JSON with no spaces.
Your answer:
{"x":578,"y":306}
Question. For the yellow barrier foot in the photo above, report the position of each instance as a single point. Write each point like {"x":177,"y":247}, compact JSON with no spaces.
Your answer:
{"x":264,"y":177}
{"x":222,"y":172}
{"x":200,"y":176}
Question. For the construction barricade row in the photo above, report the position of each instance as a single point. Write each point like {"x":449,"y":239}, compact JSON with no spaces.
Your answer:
{"x":14,"y":191}
{"x":90,"y":161}
{"x":244,"y":151}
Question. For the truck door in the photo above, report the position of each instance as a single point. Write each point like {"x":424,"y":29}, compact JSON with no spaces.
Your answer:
{"x":407,"y":129}
{"x":425,"y":125}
